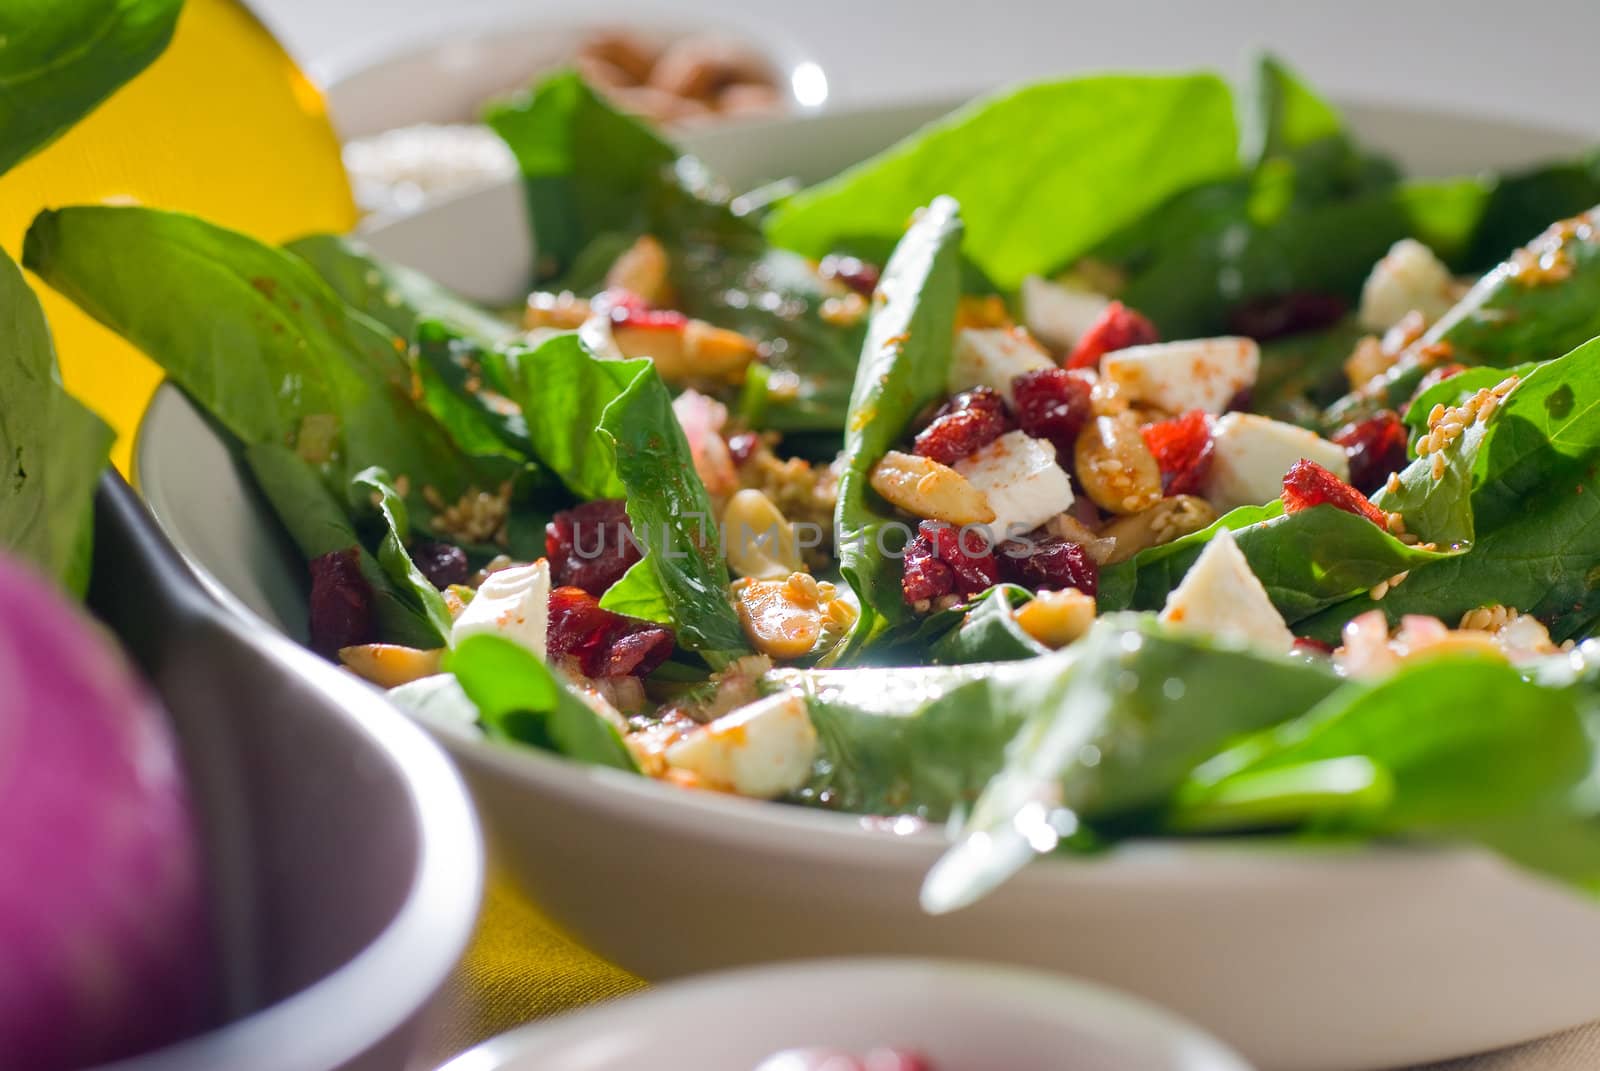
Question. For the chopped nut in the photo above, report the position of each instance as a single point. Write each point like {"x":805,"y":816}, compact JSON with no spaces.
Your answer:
{"x":761,"y":542}
{"x":924,"y":488}
{"x":389,"y":665}
{"x":642,"y":270}
{"x":476,"y":517}
{"x":564,"y":311}
{"x":1057,"y":618}
{"x":1161,"y":523}
{"x":786,"y":618}
{"x":1115,"y":466}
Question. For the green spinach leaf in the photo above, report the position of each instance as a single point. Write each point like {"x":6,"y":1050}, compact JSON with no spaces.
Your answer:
{"x":393,"y":556}
{"x":1110,"y":732}
{"x":1044,"y":172}
{"x":52,"y":450}
{"x":521,"y":699}
{"x":903,"y":367}
{"x":62,"y":58}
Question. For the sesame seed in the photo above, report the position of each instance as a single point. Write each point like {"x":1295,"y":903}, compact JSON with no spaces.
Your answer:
{"x":1438,"y":466}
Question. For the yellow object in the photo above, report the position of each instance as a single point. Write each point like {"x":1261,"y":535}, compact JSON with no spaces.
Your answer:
{"x":520,"y":967}
{"x":224,"y":125}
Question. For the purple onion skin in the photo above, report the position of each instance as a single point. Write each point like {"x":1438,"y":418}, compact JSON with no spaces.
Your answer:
{"x":105,"y":946}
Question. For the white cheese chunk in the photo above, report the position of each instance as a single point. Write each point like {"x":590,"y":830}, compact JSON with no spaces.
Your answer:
{"x":1251,"y":453}
{"x":763,"y":750}
{"x":1408,"y":277}
{"x":1202,"y":373}
{"x":1220,"y":596}
{"x":993,"y":357}
{"x":1019,"y":476}
{"x":1059,"y":315}
{"x":514,"y":603}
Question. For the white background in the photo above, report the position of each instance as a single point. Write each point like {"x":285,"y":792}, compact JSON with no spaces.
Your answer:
{"x":1527,"y":59}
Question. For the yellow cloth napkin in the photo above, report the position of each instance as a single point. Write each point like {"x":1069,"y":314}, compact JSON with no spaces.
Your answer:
{"x":520,"y":967}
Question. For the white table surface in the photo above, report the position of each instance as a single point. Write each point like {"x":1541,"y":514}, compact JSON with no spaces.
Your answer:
{"x":1526,"y":59}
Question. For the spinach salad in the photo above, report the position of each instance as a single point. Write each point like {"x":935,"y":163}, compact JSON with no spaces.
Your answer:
{"x":1124,"y":456}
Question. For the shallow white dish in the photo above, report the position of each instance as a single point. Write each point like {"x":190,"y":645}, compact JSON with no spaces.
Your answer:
{"x":1304,"y":960}
{"x":958,"y":1016}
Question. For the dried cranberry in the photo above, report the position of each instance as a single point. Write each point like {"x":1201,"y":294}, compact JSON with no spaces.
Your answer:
{"x":1312,"y":645}
{"x":925,"y":577}
{"x":1117,"y":328}
{"x":1308,"y":484}
{"x":442,"y":563}
{"x":601,"y":643}
{"x":1049,"y":564}
{"x":853,"y":272}
{"x":1287,"y":314}
{"x":970,"y":421}
{"x":1376,"y":447}
{"x":340,"y":610}
{"x":966,"y":551}
{"x":1053,"y":404}
{"x":1182,"y":448}
{"x":590,"y":545}
{"x":635,"y":654}
{"x":743,"y":446}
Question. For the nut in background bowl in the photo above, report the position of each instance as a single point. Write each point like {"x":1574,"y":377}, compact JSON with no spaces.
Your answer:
{"x":409,"y":121}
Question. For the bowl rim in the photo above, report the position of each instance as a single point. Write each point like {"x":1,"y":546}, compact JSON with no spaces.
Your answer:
{"x":833,"y":834}
{"x":397,"y":974}
{"x":1058,"y":1001}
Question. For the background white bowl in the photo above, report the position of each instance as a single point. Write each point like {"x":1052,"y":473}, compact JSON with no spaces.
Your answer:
{"x":449,"y":81}
{"x":958,"y":1016}
{"x":1306,"y":960}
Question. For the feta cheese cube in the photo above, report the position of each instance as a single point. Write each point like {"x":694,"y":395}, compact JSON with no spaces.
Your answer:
{"x":1202,"y":373}
{"x":1019,"y":476}
{"x":764,"y":749}
{"x":514,"y":603}
{"x":1219,"y":595}
{"x":1059,"y":315}
{"x":1408,"y":277}
{"x":993,"y":357}
{"x":1251,"y":453}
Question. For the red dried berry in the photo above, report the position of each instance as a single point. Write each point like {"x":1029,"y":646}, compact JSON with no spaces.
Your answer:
{"x":970,"y":421}
{"x":742,"y":447}
{"x":1053,"y":404}
{"x":442,"y":563}
{"x":1376,"y":447}
{"x":340,"y":606}
{"x":636,"y":654}
{"x":1049,"y":563}
{"x":924,"y":576}
{"x":1312,"y":646}
{"x":1182,"y":447}
{"x":966,"y":551}
{"x":590,"y":545}
{"x":1287,"y":314}
{"x":853,"y":272}
{"x":1117,"y":328}
{"x":1308,"y":484}
{"x":601,"y":643}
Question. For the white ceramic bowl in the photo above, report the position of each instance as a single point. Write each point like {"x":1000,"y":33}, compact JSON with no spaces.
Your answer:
{"x":1306,"y":960}
{"x":448,"y":81}
{"x":958,"y":1016}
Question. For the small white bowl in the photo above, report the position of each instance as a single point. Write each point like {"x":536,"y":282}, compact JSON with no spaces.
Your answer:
{"x":448,"y":81}
{"x":960,"y":1017}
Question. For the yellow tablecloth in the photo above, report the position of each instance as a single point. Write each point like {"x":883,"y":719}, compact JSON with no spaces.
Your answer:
{"x":520,"y":967}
